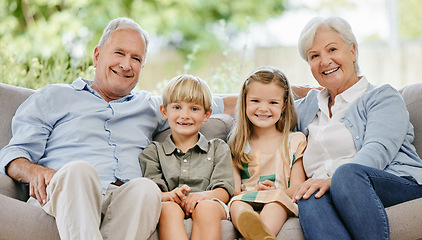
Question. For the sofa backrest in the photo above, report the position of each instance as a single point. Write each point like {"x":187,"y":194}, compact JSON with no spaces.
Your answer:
{"x":412,"y":95}
{"x":10,"y":99}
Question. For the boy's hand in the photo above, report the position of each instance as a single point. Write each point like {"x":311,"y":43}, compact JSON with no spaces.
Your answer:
{"x":265,"y":185}
{"x":177,"y":195}
{"x":191,"y":200}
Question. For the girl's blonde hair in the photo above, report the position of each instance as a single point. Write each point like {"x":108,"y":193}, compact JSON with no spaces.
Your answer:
{"x":243,"y":126}
{"x":187,"y":88}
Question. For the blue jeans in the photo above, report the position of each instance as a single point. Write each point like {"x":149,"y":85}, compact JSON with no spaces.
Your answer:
{"x":354,"y":206}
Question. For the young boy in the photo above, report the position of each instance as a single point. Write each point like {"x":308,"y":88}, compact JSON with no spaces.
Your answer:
{"x":195,"y":175}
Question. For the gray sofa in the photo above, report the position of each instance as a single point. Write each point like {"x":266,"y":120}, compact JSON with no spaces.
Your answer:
{"x":23,"y":221}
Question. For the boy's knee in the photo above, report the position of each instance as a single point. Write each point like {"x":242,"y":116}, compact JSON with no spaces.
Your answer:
{"x":207,"y":208}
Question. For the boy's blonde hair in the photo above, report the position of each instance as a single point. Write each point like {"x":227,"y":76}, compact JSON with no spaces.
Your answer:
{"x":244,"y":127}
{"x":187,"y":88}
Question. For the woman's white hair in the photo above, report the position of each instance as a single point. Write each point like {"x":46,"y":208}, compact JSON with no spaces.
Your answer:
{"x":337,"y":24}
{"x":123,"y":23}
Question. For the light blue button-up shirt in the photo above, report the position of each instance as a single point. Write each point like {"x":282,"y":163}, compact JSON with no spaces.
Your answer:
{"x":62,"y":123}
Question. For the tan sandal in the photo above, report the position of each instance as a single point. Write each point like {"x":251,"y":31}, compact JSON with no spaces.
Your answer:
{"x":251,"y":226}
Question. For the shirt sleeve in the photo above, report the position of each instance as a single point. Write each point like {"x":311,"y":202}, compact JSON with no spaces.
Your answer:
{"x":31,"y":127}
{"x":222,"y":175}
{"x":298,"y":145}
{"x":150,"y":165}
{"x":386,"y":126}
{"x":217,"y":105}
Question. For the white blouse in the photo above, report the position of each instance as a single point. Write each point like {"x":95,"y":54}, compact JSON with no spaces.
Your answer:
{"x":330,"y":143}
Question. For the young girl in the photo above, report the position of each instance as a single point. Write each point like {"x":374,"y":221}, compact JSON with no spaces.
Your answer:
{"x":267,"y":155}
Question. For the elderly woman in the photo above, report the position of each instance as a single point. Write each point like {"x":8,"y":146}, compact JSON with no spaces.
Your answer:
{"x":360,"y":158}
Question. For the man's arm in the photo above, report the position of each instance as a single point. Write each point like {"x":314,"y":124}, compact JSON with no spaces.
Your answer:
{"x":300,"y":91}
{"x":38,"y":177}
{"x":230,"y":102}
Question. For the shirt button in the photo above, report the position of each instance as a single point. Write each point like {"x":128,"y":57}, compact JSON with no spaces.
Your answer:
{"x":184,"y":160}
{"x":357,"y":137}
{"x":184,"y":170}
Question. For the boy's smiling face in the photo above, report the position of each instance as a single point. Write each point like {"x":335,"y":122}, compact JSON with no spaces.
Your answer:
{"x":185,"y":118}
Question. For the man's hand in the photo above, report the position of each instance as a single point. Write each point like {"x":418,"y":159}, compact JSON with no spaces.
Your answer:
{"x":38,"y":177}
{"x":265,"y":185}
{"x":310,"y":186}
{"x":177,"y":195}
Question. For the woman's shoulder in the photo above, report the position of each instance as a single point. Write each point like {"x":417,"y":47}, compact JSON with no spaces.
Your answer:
{"x":384,"y":90}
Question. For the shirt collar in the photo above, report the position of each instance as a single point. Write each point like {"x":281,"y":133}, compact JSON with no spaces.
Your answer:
{"x":83,"y":84}
{"x":355,"y":91}
{"x":350,"y":95}
{"x":169,"y":146}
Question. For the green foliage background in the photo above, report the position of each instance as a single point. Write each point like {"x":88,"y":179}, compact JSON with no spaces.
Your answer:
{"x":49,"y":41}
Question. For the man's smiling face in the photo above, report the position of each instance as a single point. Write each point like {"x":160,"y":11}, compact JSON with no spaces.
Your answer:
{"x":118,"y":64}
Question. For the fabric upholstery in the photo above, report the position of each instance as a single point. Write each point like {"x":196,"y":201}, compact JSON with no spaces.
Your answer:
{"x":20,"y":220}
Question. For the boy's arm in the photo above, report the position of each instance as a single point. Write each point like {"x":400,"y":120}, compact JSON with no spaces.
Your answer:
{"x":193,"y":198}
{"x":222,"y":174}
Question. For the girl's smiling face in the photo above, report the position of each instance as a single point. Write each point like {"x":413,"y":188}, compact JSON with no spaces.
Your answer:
{"x":264,"y":104}
{"x":332,"y":61}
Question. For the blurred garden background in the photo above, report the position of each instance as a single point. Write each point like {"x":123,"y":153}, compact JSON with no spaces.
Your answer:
{"x":221,"y":41}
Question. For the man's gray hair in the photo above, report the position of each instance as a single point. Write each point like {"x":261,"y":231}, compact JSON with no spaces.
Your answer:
{"x":123,"y":23}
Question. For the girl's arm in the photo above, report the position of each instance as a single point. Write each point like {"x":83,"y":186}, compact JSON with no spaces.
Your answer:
{"x":237,"y":181}
{"x":297,"y":177}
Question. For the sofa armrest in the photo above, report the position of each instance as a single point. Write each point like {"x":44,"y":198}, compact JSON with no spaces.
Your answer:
{"x":13,"y":189}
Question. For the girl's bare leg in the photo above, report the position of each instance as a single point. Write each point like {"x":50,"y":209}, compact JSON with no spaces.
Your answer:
{"x":236,"y":208}
{"x":171,"y":224}
{"x":274,"y":216}
{"x":249,"y":222}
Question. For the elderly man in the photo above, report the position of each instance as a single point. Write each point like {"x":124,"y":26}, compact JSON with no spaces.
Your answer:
{"x":77,"y":145}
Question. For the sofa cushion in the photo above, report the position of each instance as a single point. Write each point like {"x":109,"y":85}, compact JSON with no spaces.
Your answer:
{"x":10,"y":99}
{"x":412,"y":95}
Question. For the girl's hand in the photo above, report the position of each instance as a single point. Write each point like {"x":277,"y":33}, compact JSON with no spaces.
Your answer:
{"x":177,"y":195}
{"x":265,"y":185}
{"x":191,"y":200}
{"x":310,"y":186}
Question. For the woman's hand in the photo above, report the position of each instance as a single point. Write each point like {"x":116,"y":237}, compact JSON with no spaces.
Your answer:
{"x":310,"y":186}
{"x":265,"y":185}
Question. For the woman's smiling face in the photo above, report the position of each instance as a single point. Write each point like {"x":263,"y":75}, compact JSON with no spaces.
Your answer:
{"x":332,"y":61}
